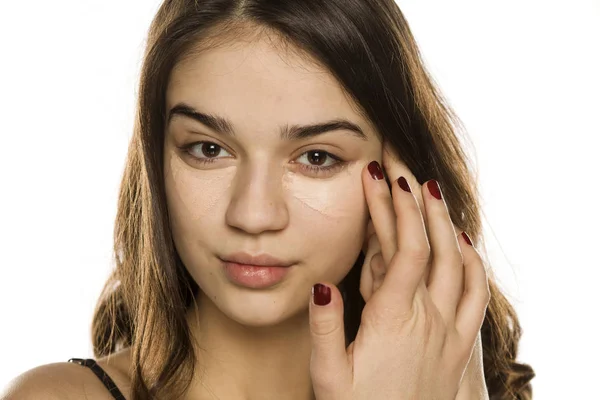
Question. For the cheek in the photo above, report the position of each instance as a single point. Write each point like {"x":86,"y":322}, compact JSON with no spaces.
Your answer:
{"x":338,"y":201}
{"x":331,"y":218}
{"x":191,"y":195}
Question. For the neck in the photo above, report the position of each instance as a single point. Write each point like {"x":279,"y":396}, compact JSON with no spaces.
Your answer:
{"x":237,"y":361}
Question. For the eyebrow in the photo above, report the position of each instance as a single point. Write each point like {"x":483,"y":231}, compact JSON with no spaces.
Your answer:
{"x":294,"y":132}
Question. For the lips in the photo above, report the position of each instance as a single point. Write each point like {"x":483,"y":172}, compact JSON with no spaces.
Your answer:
{"x":263,"y":259}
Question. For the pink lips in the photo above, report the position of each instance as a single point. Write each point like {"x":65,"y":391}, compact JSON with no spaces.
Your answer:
{"x":257,"y":272}
{"x":253,"y":276}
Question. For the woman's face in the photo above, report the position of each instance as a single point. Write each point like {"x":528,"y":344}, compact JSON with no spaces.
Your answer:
{"x":256,"y":191}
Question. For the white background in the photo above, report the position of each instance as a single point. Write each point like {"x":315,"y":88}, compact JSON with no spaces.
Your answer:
{"x":523,"y":76}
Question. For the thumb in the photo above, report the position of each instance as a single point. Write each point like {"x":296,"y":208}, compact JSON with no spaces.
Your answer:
{"x":329,"y":365}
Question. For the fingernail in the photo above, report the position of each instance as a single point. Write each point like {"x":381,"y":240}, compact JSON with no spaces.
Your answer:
{"x":467,"y":238}
{"x":321,"y":294}
{"x":434,"y":189}
{"x":375,"y":170}
{"x":404,"y":184}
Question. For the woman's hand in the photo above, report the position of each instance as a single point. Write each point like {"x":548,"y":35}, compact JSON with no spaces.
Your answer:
{"x":472,"y":385}
{"x":424,"y":310}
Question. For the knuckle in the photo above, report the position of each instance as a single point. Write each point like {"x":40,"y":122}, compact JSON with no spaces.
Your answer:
{"x":433,"y":321}
{"x":383,"y":196}
{"x":374,"y":314}
{"x":437,"y":323}
{"x":325,"y":328}
{"x":429,"y":324}
{"x":382,"y":317}
{"x":321,"y":379}
{"x":419,"y":251}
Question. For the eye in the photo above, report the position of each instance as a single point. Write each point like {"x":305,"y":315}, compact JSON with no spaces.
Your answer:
{"x":317,"y":157}
{"x":210,"y":150}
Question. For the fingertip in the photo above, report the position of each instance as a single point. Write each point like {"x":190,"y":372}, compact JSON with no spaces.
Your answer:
{"x":321,"y":294}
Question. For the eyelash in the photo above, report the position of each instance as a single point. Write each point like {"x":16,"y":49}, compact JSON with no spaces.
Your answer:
{"x":310,"y":168}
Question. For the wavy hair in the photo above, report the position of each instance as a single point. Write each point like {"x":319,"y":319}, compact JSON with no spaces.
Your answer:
{"x":368,"y":47}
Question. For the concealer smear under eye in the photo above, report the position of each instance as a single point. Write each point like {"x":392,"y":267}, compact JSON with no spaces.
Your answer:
{"x":340,"y":196}
{"x":198,"y":192}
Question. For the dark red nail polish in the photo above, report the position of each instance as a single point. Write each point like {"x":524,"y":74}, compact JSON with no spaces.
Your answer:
{"x":375,"y":170}
{"x":321,"y":294}
{"x":467,"y":238}
{"x":434,"y":189}
{"x":404,"y":184}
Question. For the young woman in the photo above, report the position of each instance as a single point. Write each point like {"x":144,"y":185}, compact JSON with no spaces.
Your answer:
{"x":305,"y":137}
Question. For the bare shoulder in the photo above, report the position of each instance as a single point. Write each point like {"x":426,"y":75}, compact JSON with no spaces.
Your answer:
{"x":66,"y":381}
{"x":54,"y":381}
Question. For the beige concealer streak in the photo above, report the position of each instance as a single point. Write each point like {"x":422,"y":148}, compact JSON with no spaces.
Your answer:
{"x":334,"y":199}
{"x":206,"y":188}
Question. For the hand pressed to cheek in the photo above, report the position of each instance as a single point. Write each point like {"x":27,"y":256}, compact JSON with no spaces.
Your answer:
{"x":393,"y":168}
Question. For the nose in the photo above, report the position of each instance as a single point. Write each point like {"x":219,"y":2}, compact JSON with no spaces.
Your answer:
{"x":257,"y":202}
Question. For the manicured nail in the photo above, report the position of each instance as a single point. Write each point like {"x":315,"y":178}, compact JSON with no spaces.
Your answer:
{"x":467,"y":238}
{"x":404,"y":184}
{"x":321,"y":294}
{"x":375,"y":170}
{"x":434,"y":189}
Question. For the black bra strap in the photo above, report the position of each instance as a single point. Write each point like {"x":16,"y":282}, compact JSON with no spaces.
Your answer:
{"x":103,"y":376}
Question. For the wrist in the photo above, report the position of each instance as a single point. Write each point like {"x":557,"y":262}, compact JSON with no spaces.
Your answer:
{"x":473,"y":391}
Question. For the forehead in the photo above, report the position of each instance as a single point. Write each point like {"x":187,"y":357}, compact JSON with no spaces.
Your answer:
{"x":250,"y":81}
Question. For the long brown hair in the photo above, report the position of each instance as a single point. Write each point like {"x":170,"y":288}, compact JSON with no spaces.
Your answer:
{"x":368,"y":46}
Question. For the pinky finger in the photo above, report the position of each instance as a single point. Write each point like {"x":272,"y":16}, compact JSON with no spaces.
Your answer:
{"x":378,"y":269}
{"x":473,"y":305}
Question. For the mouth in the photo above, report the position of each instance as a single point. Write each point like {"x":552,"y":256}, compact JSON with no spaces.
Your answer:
{"x":260,"y":260}
{"x":254,"y":276}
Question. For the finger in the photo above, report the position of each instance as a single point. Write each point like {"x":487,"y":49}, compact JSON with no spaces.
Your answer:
{"x":328,"y":360}
{"x":446,"y":276}
{"x":394,"y":168}
{"x":379,"y":201}
{"x":378,"y":271}
{"x":405,"y":273}
{"x":473,"y":305}
{"x":370,"y":232}
{"x":370,"y":248}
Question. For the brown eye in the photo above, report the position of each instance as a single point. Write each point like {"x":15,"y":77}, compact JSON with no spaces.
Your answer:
{"x":317,"y":157}
{"x":210,"y":149}
{"x":204,"y":150}
{"x":318,"y":164}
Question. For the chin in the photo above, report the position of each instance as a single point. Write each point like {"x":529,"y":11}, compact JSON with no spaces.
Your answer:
{"x":258,"y":308}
